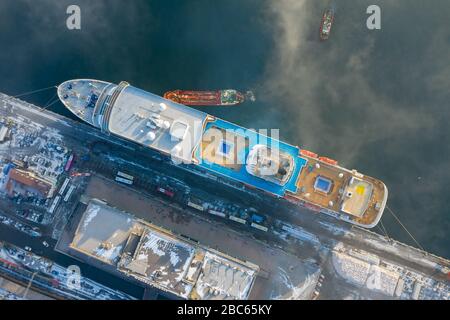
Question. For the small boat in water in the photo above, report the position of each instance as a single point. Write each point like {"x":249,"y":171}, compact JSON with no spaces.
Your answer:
{"x":209,"y":98}
{"x":327,"y":22}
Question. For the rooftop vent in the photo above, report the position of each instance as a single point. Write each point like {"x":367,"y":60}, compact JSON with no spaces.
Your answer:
{"x":179,"y":130}
{"x":162,"y":107}
{"x":151,"y":135}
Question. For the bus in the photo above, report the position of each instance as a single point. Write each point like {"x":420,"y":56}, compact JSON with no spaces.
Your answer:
{"x":69,"y":193}
{"x":64,"y":186}
{"x":260,"y":227}
{"x":124,"y":175}
{"x":54,"y":204}
{"x":126,"y":181}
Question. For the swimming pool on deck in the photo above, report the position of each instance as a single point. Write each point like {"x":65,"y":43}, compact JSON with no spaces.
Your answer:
{"x":239,"y":173}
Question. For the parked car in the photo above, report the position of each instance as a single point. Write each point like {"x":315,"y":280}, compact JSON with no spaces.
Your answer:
{"x":166,"y":191}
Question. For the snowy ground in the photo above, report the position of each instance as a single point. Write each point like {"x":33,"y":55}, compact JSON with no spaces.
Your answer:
{"x":374,"y":278}
{"x":6,"y":295}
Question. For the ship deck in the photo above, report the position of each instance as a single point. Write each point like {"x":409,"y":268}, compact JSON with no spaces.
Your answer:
{"x":80,"y":96}
{"x":355,"y":197}
{"x":307,"y":179}
{"x":133,"y":110}
{"x":238,"y":141}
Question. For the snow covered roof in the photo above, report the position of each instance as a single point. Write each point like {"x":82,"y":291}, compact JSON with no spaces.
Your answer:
{"x":103,"y":232}
{"x":159,"y":258}
{"x":221,"y":278}
{"x":188,"y":270}
{"x":162,"y":260}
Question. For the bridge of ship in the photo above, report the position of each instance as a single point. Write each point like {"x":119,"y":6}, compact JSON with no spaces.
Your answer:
{"x":155,"y":122}
{"x":224,"y":149}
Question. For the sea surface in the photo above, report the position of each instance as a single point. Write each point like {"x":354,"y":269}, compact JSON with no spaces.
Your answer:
{"x":376,"y":100}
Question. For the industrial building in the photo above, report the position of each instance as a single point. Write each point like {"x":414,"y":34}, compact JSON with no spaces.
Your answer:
{"x":24,"y":182}
{"x":158,"y":258}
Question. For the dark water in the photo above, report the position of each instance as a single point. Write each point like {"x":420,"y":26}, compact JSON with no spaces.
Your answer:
{"x":377,"y":101}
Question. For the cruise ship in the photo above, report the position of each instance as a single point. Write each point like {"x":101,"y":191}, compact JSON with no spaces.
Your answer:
{"x":200,"y":141}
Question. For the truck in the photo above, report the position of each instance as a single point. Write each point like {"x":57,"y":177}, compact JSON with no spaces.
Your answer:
{"x":69,"y":163}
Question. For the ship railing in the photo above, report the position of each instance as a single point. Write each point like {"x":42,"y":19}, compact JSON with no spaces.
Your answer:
{"x":101,"y":101}
{"x":110,"y":102}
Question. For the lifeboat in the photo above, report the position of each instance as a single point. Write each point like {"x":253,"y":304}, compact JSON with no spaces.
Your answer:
{"x":328,"y":161}
{"x":308,"y":153}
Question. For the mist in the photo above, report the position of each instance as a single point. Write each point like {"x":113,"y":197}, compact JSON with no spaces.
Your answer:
{"x":376,"y":101}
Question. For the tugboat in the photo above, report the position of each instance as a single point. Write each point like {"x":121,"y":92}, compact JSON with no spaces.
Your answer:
{"x":327,"y":22}
{"x":227,"y":97}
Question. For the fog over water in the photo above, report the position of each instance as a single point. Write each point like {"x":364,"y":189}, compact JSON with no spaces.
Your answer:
{"x":377,"y":101}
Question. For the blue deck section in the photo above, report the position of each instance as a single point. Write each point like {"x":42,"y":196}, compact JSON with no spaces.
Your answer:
{"x":242,"y":175}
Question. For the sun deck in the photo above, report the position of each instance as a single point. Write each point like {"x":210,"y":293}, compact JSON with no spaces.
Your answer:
{"x":351,"y":195}
{"x":309,"y":191}
{"x":224,"y":149}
